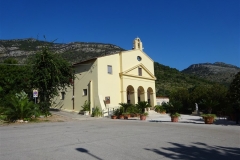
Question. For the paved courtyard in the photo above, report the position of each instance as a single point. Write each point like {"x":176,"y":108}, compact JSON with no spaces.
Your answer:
{"x":152,"y":117}
{"x":105,"y":139}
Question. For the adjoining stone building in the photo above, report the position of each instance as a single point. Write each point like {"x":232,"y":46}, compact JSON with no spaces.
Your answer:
{"x":106,"y":81}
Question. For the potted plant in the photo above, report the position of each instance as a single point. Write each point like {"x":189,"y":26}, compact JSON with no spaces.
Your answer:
{"x":120,"y":114}
{"x":142,"y":105}
{"x":133,"y":111}
{"x":126,"y":115}
{"x":115,"y":114}
{"x":163,"y":111}
{"x":125,"y":106}
{"x":143,"y":116}
{"x":86,"y":108}
{"x":174,"y":117}
{"x":208,"y":118}
{"x":172,"y":108}
{"x":113,"y":117}
{"x":97,"y":112}
{"x":157,"y":108}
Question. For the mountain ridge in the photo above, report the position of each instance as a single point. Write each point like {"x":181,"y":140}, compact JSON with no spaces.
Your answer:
{"x":75,"y":52}
{"x":222,"y":64}
{"x":217,"y":72}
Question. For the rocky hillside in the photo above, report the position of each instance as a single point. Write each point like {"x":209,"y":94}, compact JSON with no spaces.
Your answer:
{"x":216,"y":72}
{"x":73,"y":52}
{"x":168,"y":79}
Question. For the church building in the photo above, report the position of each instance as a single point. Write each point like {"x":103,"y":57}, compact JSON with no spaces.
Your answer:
{"x":124,"y":77}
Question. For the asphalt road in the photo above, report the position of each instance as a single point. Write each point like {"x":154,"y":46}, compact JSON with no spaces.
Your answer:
{"x":106,"y":139}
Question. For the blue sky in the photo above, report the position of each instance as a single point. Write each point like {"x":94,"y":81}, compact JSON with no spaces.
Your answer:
{"x":176,"y":33}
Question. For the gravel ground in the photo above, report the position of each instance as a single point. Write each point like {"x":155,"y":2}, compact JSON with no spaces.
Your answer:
{"x":52,"y":118}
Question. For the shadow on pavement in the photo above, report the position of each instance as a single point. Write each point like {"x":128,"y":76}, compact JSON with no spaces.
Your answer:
{"x":157,"y":121}
{"x":175,"y":122}
{"x":222,"y":122}
{"x":54,"y":109}
{"x":197,"y":151}
{"x":83,"y":150}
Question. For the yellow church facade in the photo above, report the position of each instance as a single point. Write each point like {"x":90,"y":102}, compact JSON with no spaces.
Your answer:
{"x":124,"y":77}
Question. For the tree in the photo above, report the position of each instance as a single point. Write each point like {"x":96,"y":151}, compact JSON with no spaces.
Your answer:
{"x":198,"y":93}
{"x":234,"y":91}
{"x":214,"y":95}
{"x":181,"y":95}
{"x":14,"y":78}
{"x":218,"y":93}
{"x":51,"y":74}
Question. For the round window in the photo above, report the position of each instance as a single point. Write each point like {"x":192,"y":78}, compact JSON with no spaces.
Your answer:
{"x":139,"y":58}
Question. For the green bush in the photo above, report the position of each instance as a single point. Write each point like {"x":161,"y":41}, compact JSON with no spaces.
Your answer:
{"x":19,"y":108}
{"x":44,"y":108}
{"x":97,"y":112}
{"x":86,"y":106}
{"x":116,"y":112}
{"x":131,"y":109}
{"x":159,"y":108}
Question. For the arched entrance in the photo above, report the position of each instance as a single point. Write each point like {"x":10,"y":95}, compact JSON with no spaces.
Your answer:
{"x":150,"y":96}
{"x":130,"y":95}
{"x":141,"y":96}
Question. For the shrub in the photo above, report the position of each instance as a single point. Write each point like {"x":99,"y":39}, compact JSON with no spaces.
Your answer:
{"x":20,"y":107}
{"x":86,"y":106}
{"x":116,"y":112}
{"x":132,"y":110}
{"x":44,"y":108}
{"x":97,"y":112}
{"x":159,"y":108}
